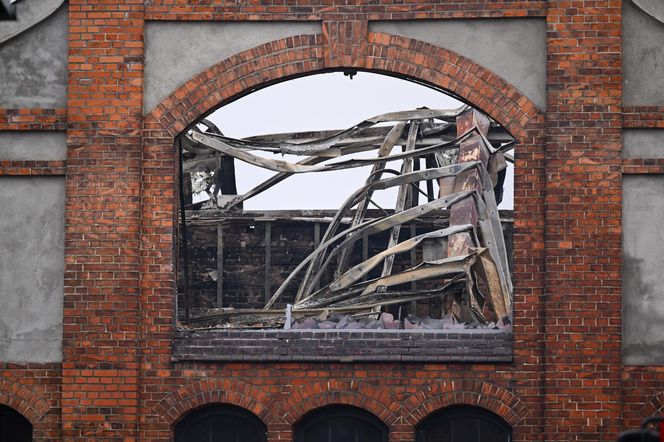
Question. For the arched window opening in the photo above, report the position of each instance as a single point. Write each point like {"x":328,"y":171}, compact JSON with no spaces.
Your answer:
{"x":405,"y":232}
{"x":464,"y":424}
{"x":340,"y":423}
{"x":13,"y":426}
{"x":220,"y":423}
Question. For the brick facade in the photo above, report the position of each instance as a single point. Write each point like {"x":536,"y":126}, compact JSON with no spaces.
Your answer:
{"x":118,"y":380}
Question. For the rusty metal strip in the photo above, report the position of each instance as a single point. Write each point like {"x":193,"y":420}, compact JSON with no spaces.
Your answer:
{"x":324,"y":146}
{"x":360,"y":270}
{"x":286,"y":166}
{"x":385,"y":149}
{"x":418,"y":114}
{"x":455,"y":264}
{"x":393,"y":221}
{"x":486,"y":269}
{"x":376,"y":299}
{"x":402,"y":196}
{"x":369,"y":228}
{"x":500,"y":254}
{"x":386,"y":183}
{"x":279,"y":177}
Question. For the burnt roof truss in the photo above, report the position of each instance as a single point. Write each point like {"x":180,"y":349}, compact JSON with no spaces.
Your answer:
{"x":463,"y":260}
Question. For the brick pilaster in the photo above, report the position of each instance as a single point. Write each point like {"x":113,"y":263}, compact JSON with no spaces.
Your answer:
{"x":100,"y":368}
{"x":583,"y":210}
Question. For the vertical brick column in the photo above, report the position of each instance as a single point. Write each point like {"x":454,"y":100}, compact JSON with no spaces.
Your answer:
{"x":583,"y":210}
{"x":101,"y":308}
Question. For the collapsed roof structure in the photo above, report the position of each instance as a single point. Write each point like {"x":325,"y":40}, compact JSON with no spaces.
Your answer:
{"x":454,"y":236}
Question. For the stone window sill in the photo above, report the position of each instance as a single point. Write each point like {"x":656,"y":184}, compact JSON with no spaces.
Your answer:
{"x":343,"y":345}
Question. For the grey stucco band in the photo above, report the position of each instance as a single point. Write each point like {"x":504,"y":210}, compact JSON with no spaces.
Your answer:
{"x":33,"y":146}
{"x":643,"y":279}
{"x":643,"y":57}
{"x":31,"y":268}
{"x":514,"y":49}
{"x":33,"y":70}
{"x":177,"y":51}
{"x":343,"y":345}
{"x":28,"y":14}
{"x":643,"y":143}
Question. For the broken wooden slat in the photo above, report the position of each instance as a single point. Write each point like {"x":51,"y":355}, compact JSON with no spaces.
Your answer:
{"x":397,"y":296}
{"x":418,"y":114}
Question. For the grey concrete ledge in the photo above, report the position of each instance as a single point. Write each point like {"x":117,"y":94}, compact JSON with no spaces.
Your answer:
{"x":343,"y":345}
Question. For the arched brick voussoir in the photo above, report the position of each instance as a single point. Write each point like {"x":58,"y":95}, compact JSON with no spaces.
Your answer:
{"x":302,"y":55}
{"x":654,"y":407}
{"x":23,"y":399}
{"x":306,"y":398}
{"x":480,"y":394}
{"x":455,"y":73}
{"x":213,"y":391}
{"x":235,"y":76}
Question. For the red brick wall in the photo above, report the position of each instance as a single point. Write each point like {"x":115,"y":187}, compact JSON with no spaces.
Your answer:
{"x":34,"y":391}
{"x":100,"y":370}
{"x":583,"y":229}
{"x":117,"y":381}
{"x":400,"y":394}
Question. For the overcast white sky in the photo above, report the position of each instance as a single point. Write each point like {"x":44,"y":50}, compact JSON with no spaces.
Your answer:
{"x":319,"y":102}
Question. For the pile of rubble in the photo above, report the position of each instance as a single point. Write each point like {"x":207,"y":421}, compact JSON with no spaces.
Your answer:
{"x":387,"y":321}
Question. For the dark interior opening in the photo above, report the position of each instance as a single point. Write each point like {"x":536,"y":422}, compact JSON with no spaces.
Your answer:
{"x":340,"y":423}
{"x":220,"y":422}
{"x":464,"y":424}
{"x":13,"y":426}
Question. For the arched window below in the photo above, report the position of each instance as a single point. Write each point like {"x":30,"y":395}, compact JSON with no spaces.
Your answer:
{"x":464,"y":424}
{"x":340,"y":423}
{"x":13,"y":426}
{"x":220,"y":423}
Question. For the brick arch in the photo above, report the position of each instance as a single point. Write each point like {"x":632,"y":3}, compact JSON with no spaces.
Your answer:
{"x":302,"y":55}
{"x":654,"y":407}
{"x":24,"y":400}
{"x":213,"y":391}
{"x":479,"y":394}
{"x":368,"y":397}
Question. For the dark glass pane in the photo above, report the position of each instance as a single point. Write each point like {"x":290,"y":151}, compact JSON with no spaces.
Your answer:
{"x":316,"y":432}
{"x":340,"y":424}
{"x":442,"y":432}
{"x":343,"y":429}
{"x":367,"y":433}
{"x":220,"y":423}
{"x":465,"y":429}
{"x":463,"y":424}
{"x":489,"y":432}
{"x":13,"y":426}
